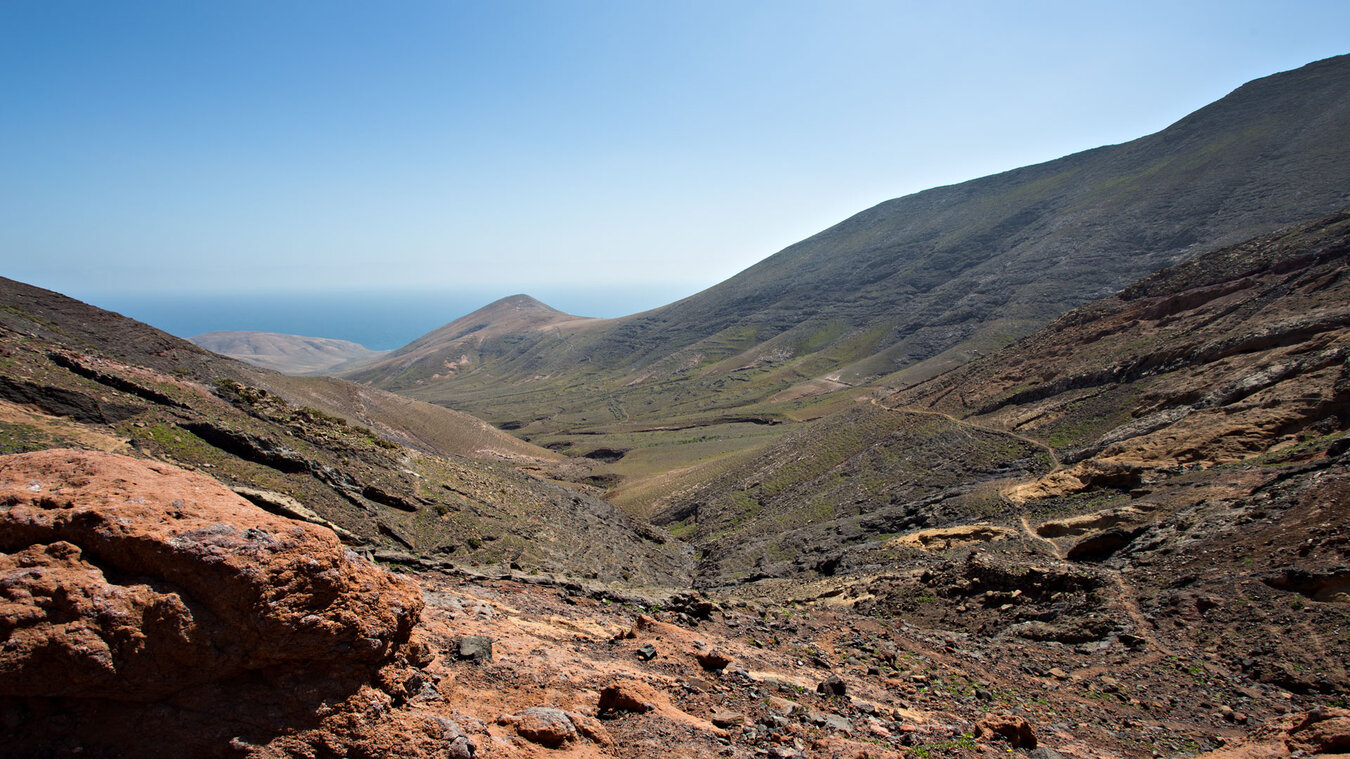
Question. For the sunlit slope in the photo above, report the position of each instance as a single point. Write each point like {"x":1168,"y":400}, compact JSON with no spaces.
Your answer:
{"x":942,"y":275}
{"x":1236,"y":362}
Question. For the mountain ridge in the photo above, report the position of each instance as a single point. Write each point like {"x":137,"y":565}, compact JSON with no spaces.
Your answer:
{"x":918,"y":271}
{"x":899,"y":292}
{"x":1238,"y":354}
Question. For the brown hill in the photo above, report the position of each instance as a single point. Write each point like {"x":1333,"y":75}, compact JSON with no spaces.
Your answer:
{"x":1156,"y":485}
{"x":459,"y":346}
{"x":45,"y":315}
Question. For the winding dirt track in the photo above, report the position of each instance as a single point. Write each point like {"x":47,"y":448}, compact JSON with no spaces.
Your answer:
{"x":1125,"y":593}
{"x":966,"y":423}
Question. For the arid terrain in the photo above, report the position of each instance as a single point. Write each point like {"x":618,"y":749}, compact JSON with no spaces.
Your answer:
{"x":1120,"y":530}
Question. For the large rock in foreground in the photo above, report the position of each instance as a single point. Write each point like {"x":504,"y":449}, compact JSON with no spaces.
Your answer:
{"x":130,"y":579}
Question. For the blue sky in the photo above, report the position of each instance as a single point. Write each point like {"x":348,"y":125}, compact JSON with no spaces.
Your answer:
{"x":508,"y":146}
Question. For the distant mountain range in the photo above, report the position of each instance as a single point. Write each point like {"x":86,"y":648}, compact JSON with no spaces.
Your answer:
{"x":288,"y":354}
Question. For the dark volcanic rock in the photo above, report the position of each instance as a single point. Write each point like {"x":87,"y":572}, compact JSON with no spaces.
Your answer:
{"x":475,"y":648}
{"x":831,"y":686}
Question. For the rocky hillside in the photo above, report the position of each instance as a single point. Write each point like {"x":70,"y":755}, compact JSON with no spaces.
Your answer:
{"x":288,"y":354}
{"x":419,"y":481}
{"x":1143,"y":506}
{"x":921,"y":283}
{"x":138,"y":594}
{"x":1235,"y":359}
{"x":1121,"y":535}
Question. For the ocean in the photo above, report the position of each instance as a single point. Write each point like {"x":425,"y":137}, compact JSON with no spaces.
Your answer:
{"x":377,"y":320}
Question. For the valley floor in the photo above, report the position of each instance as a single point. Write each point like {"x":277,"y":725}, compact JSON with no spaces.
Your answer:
{"x":902,"y":690}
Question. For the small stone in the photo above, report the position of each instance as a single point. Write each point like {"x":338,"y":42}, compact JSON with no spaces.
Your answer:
{"x":475,"y":648}
{"x":647,"y":652}
{"x":838,"y":724}
{"x":461,"y":747}
{"x":712,"y":660}
{"x":1016,"y":730}
{"x":831,"y":686}
{"x":620,"y":697}
{"x":591,"y":728}
{"x":545,"y":726}
{"x":1059,"y":674}
{"x":457,"y":744}
{"x":727,"y":719}
{"x":695,"y":685}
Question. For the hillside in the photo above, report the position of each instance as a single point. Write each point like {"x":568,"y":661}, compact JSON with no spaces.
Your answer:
{"x":288,"y":354}
{"x":1240,"y":355}
{"x":1165,"y":470}
{"x":389,"y":473}
{"x":920,"y":283}
{"x":465,"y":343}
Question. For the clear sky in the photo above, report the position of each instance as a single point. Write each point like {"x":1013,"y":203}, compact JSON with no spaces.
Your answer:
{"x":516,"y":146}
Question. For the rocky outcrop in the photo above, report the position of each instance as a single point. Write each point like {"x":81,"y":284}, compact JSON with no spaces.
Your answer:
{"x":1322,"y":730}
{"x":137,"y":583}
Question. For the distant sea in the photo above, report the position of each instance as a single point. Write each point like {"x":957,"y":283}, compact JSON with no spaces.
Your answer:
{"x":377,"y":320}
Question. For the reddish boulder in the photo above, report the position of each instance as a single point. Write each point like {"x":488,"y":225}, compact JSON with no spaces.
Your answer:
{"x":555,"y":728}
{"x":713,"y":660}
{"x":130,"y":579}
{"x":134,"y":593}
{"x":1321,"y":731}
{"x":1016,"y":730}
{"x":625,"y":697}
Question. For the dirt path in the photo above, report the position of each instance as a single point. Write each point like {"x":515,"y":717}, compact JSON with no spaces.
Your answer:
{"x":965,"y":423}
{"x":1034,"y":538}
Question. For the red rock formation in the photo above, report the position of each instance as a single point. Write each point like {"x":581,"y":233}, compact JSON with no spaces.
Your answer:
{"x":124,"y":580}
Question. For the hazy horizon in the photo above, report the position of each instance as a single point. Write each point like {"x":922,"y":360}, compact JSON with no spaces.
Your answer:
{"x":593,"y":148}
{"x":380,"y":320}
